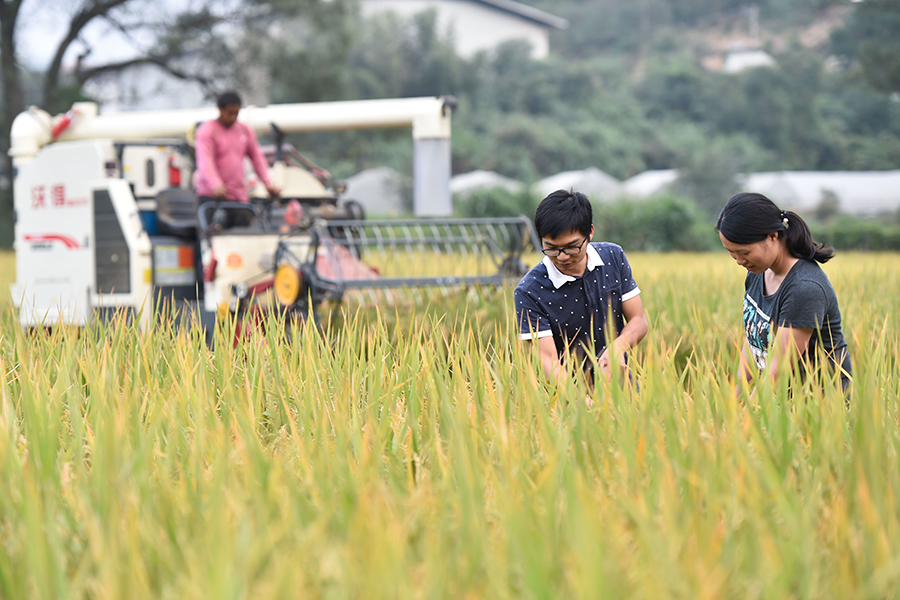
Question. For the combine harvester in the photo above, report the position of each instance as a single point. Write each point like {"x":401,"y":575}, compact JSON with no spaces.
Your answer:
{"x":106,"y":220}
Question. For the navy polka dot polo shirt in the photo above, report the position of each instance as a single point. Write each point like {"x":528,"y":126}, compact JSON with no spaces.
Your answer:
{"x":573,"y":309}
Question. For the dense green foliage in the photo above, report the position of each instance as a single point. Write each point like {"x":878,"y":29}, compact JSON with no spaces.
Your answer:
{"x":661,"y":224}
{"x":424,"y":456}
{"x":648,"y":25}
{"x":674,"y":222}
{"x":624,"y":90}
{"x":495,"y":202}
{"x":856,"y":233}
{"x":871,"y":38}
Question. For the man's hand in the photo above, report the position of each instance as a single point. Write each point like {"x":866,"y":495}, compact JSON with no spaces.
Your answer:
{"x":553,"y":368}
{"x":219,"y":192}
{"x":606,"y":360}
{"x":635,"y":329}
{"x":274,"y":191}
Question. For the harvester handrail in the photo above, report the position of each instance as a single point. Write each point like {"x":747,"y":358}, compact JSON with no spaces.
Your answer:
{"x":211,"y":206}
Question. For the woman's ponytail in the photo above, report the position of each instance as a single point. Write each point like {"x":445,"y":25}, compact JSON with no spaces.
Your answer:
{"x":799,"y":240}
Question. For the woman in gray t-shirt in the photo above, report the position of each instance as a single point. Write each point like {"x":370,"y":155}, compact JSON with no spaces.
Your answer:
{"x":790,"y":307}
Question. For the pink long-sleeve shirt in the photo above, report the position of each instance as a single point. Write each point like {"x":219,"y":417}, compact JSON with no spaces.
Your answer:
{"x":220,"y":154}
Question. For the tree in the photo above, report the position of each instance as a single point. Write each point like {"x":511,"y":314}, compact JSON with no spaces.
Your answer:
{"x":709,"y":176}
{"x":173,"y":35}
{"x":134,"y":19}
{"x":216,"y":36}
{"x":300,"y":47}
{"x":870,"y":37}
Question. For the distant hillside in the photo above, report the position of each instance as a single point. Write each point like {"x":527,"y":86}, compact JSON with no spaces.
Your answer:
{"x":773,"y":35}
{"x":636,"y":85}
{"x":703,"y":26}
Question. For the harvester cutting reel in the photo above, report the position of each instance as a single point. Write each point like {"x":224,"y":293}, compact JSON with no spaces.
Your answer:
{"x":398,"y":262}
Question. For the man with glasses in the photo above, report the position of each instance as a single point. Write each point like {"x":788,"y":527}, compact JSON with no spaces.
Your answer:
{"x":563,"y":303}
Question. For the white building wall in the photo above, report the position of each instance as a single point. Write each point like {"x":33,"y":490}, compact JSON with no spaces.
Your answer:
{"x":474,"y":27}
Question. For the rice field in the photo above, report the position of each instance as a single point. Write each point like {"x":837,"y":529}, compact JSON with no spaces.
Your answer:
{"x":419,"y":453}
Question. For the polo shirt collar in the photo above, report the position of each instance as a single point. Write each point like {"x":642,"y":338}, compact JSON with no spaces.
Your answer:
{"x":558,"y":278}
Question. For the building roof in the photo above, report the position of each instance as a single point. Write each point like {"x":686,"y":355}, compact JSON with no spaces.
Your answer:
{"x":466,"y":183}
{"x":862,"y":193}
{"x":649,"y":183}
{"x":741,"y":60}
{"x":379,"y":190}
{"x":593,"y":182}
{"x":526,"y":12}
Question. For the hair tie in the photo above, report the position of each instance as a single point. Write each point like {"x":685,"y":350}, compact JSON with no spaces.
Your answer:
{"x":784,"y":220}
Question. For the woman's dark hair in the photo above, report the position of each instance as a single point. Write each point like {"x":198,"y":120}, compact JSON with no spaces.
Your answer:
{"x":229,"y":98}
{"x":748,"y":218}
{"x":562,"y":212}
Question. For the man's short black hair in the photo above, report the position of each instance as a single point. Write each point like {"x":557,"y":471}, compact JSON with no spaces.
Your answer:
{"x":562,"y":212}
{"x":229,"y":98}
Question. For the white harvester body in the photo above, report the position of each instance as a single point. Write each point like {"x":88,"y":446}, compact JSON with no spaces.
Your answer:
{"x":79,"y":240}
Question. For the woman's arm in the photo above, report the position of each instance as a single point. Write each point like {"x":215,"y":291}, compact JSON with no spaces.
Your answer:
{"x":789,"y":347}
{"x":744,"y":367}
{"x":744,"y":372}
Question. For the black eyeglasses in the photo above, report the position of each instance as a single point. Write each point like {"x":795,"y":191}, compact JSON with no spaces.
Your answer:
{"x":568,"y":250}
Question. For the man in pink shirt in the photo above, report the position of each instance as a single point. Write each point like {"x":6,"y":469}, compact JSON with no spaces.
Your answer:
{"x":221,"y":146}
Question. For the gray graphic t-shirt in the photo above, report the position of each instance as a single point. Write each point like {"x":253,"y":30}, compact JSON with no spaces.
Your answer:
{"x":805,"y":300}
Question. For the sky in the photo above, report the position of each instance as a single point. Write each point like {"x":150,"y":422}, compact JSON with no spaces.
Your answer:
{"x":44,"y":23}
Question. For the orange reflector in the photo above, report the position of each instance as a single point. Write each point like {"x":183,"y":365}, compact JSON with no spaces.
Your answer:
{"x":287,"y":285}
{"x":185,"y":256}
